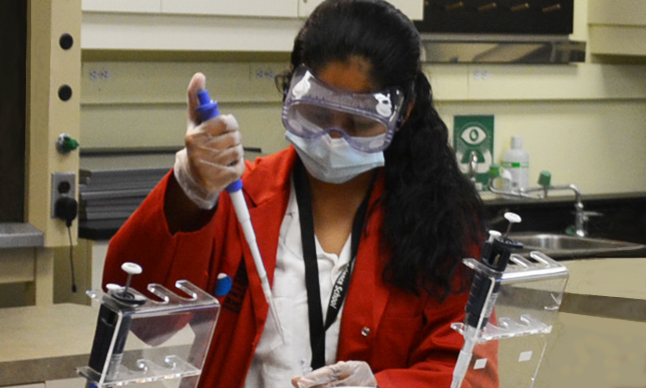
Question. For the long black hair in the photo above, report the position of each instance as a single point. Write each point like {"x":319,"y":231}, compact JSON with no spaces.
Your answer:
{"x":433,"y":215}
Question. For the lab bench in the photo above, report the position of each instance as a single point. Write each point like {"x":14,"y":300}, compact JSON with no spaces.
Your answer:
{"x":43,"y":345}
{"x":599,"y":340}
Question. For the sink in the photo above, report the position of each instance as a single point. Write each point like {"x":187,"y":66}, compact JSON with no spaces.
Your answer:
{"x":562,"y":245}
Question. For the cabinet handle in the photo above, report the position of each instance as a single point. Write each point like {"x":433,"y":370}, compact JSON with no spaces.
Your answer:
{"x":519,"y":7}
{"x":487,"y":7}
{"x":453,"y":7}
{"x":552,"y":8}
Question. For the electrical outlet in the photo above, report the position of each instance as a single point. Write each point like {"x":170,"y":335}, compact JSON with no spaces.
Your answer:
{"x":62,"y":186}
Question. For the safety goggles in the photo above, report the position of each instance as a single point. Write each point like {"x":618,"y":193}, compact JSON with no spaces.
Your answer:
{"x":367,"y":121}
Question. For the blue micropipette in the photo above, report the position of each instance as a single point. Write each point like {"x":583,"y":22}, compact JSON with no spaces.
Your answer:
{"x":208,"y":109}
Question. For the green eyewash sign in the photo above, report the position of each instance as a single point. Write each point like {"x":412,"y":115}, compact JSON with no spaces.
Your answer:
{"x":473,"y":139}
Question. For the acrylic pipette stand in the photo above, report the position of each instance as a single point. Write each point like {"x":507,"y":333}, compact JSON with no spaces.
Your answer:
{"x":157,"y":343}
{"x":524,"y":315}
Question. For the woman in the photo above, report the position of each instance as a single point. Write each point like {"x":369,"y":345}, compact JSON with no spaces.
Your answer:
{"x":369,"y":191}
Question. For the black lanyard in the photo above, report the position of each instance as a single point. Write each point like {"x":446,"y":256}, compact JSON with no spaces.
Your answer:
{"x":340,"y":289}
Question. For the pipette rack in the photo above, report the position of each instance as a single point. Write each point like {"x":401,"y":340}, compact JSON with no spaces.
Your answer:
{"x":143,"y":340}
{"x":524,"y":316}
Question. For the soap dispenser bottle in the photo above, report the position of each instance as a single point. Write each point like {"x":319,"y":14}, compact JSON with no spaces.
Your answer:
{"x":516,"y":161}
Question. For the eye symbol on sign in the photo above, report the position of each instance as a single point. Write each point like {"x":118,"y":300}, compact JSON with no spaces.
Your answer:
{"x":473,"y":135}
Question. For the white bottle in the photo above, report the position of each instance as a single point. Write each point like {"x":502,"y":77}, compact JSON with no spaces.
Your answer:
{"x":516,"y":161}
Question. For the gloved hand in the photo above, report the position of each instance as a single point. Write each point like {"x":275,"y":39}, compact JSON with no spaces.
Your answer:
{"x":343,"y":373}
{"x":212,"y":158}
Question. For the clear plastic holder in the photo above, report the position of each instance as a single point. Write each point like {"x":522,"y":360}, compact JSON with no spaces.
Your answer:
{"x":160,"y":343}
{"x":517,"y":333}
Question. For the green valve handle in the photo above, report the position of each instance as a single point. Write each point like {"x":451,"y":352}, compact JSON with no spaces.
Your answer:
{"x":65,"y":143}
{"x":545,"y":178}
{"x":494,"y":170}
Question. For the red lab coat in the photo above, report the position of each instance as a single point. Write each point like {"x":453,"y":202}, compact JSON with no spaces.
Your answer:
{"x":406,"y":339}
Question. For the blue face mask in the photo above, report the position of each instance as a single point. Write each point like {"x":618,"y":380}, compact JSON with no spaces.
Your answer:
{"x":333,"y":160}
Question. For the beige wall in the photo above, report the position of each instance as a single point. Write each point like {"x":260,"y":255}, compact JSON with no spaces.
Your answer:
{"x":597,"y":145}
{"x":583,"y":122}
{"x":142,"y":104}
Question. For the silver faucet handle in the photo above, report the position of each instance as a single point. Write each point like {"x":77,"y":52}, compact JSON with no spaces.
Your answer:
{"x":586,"y":214}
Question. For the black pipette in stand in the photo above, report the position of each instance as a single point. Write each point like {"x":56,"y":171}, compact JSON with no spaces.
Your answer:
{"x":118,"y":301}
{"x":484,"y":292}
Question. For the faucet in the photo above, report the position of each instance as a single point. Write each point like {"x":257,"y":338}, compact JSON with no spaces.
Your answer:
{"x":580,"y":215}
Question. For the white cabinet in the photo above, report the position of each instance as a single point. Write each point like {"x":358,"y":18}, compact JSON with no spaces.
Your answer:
{"x":267,"y":8}
{"x":254,"y":8}
{"x":305,"y":7}
{"x":617,"y":27}
{"x":414,"y":9}
{"x":200,"y":25}
{"x":139,"y":6}
{"x":262,"y":8}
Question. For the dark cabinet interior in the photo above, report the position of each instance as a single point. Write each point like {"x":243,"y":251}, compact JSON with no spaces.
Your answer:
{"x":617,"y":216}
{"x":13,"y":35}
{"x":536,"y":17}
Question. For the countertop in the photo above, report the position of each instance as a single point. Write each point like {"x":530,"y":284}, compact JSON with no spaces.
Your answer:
{"x":609,"y":288}
{"x":40,"y":343}
{"x":617,"y":278}
{"x":599,"y":340}
{"x":45,"y":343}
{"x":20,"y":235}
{"x":601,"y":326}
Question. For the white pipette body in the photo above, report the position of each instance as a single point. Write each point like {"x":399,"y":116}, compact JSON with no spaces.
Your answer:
{"x":208,"y":109}
{"x":242,"y":213}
